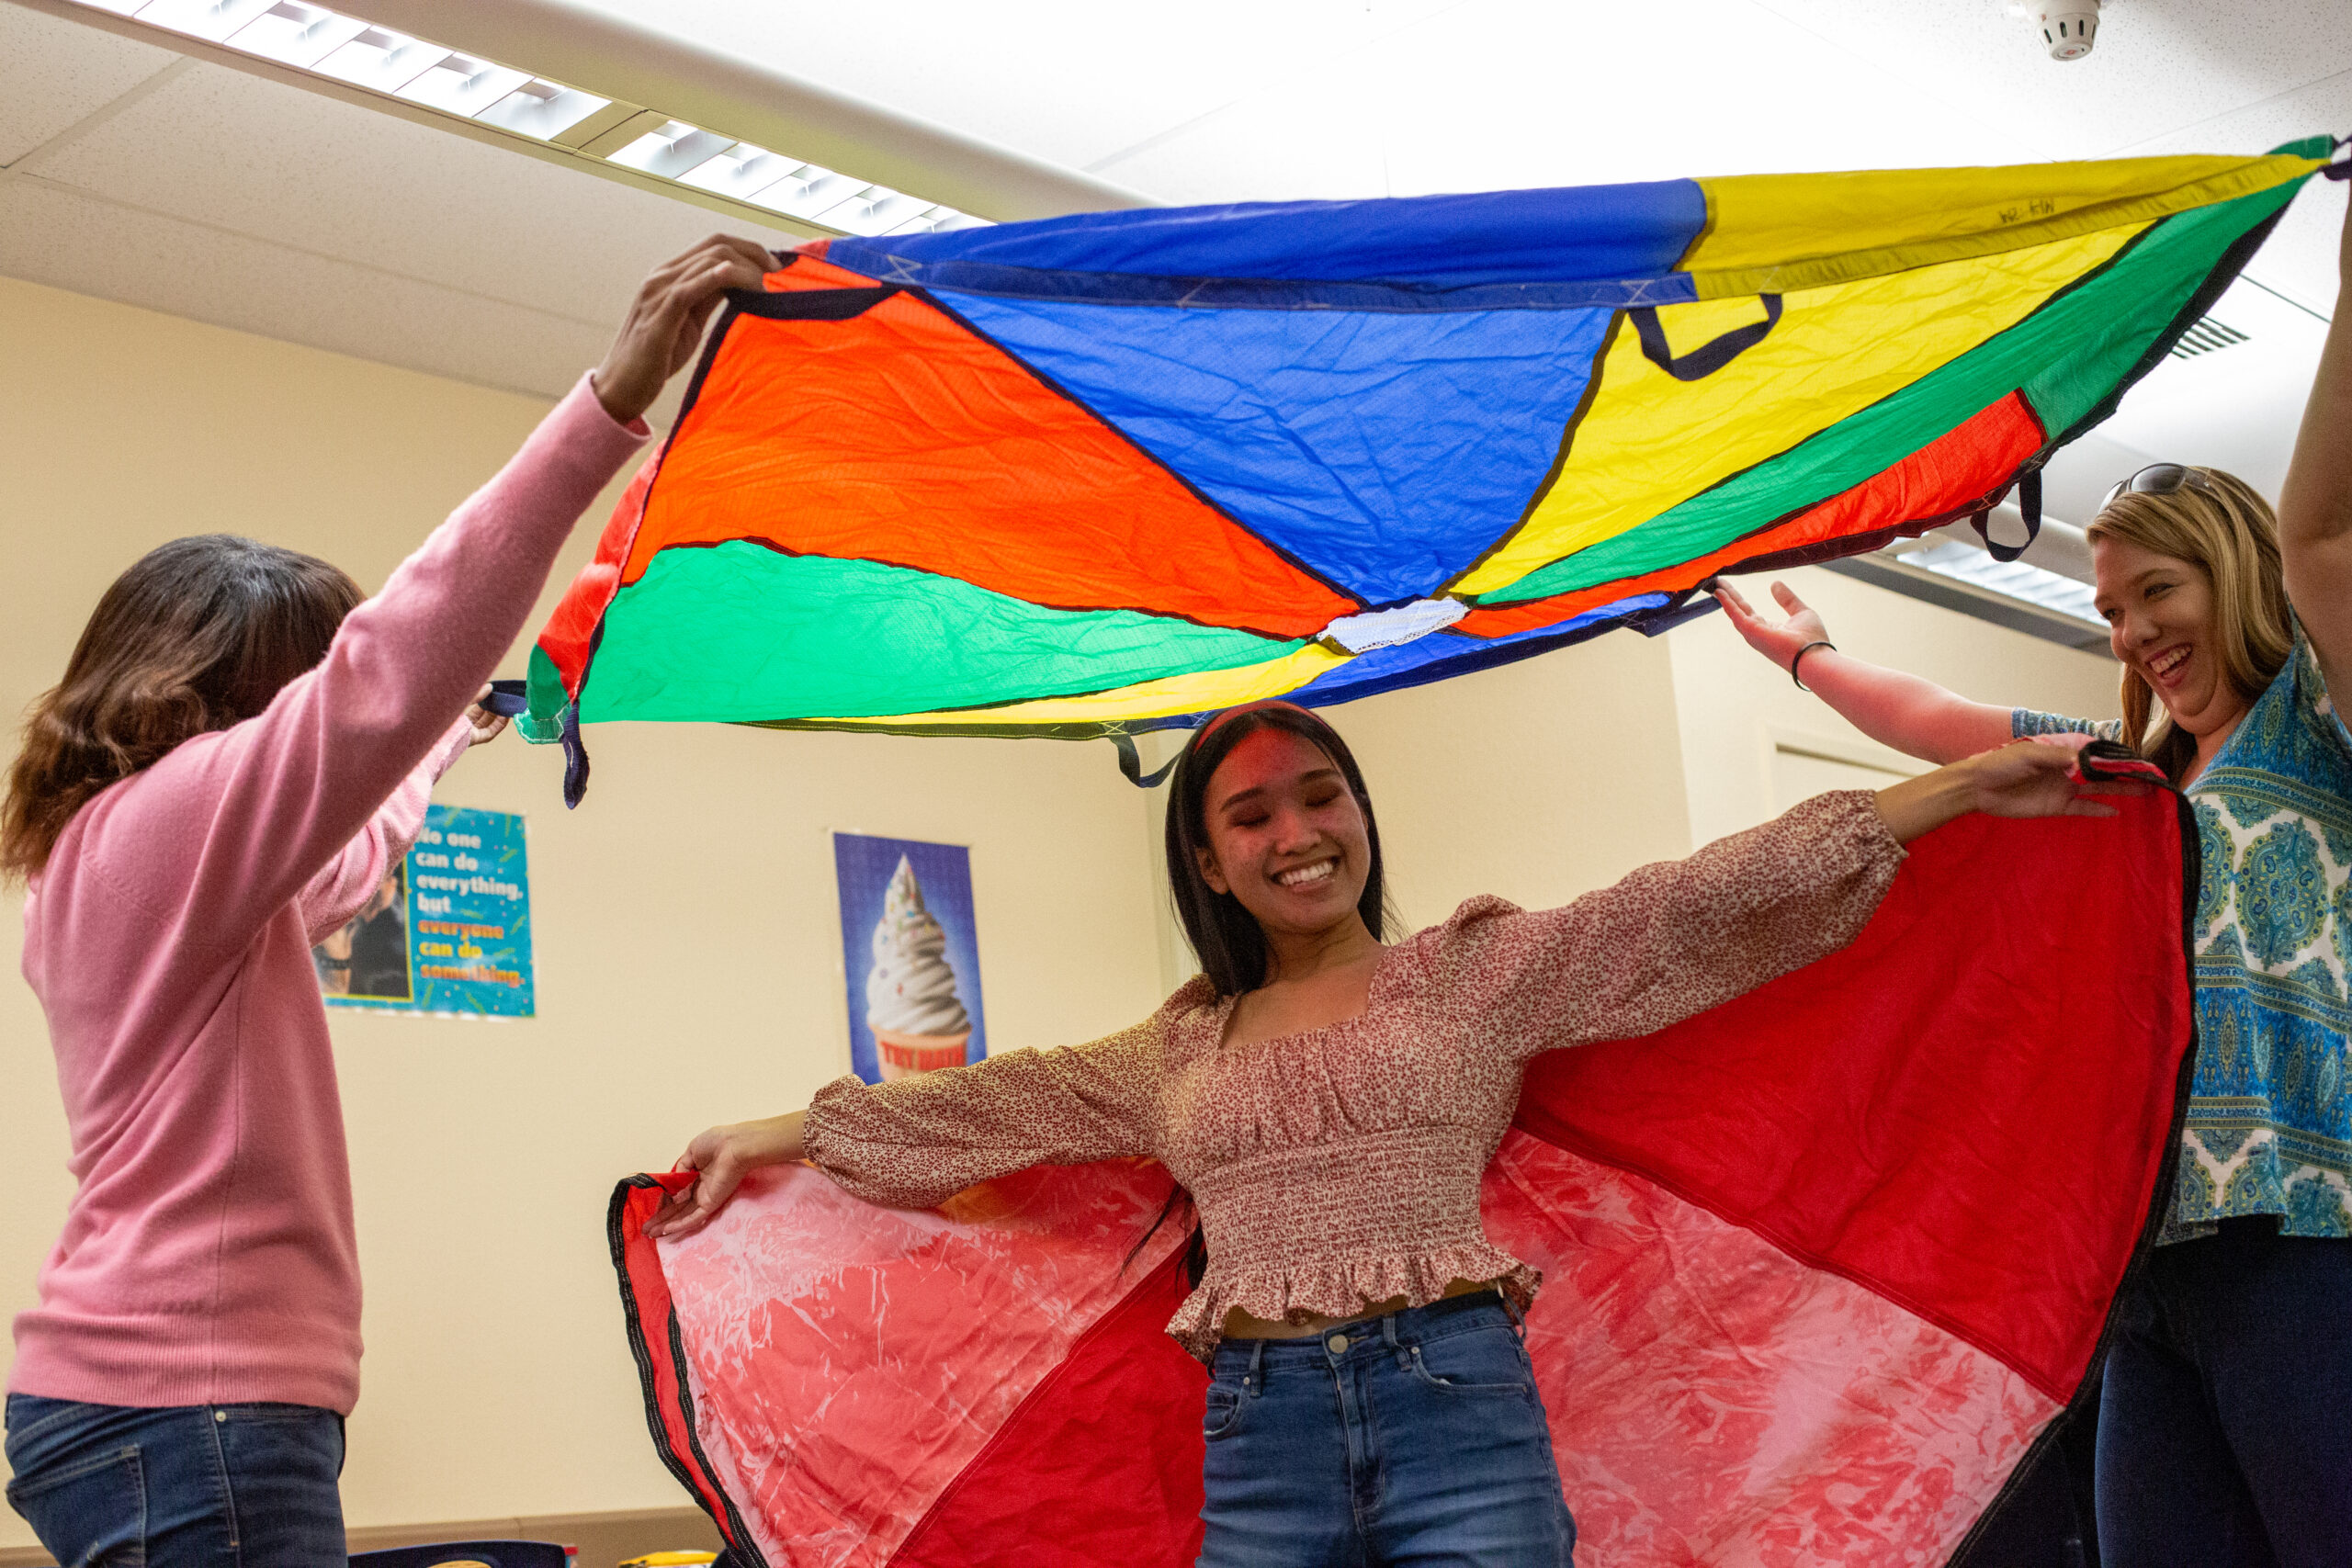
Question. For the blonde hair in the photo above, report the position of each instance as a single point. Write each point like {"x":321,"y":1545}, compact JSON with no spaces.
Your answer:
{"x":2217,"y":524}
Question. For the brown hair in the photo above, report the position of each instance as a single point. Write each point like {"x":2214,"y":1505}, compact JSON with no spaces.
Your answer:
{"x":198,"y":634}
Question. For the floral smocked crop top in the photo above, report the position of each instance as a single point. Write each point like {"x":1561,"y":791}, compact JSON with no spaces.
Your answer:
{"x":1339,"y":1167}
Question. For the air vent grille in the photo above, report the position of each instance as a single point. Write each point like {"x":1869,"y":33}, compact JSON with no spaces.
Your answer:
{"x":2203,"y":336}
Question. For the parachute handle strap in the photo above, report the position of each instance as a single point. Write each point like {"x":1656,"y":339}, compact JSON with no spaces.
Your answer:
{"x":1131,"y":763}
{"x":2029,"y":503}
{"x":2338,"y":168}
{"x":507,"y":699}
{"x":1707,"y":358}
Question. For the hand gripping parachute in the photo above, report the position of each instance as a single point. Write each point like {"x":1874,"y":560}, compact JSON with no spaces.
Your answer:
{"x":1826,"y":1268}
{"x":1105,"y":474}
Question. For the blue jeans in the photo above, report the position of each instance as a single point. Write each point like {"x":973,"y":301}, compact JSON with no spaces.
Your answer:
{"x":1415,"y":1438}
{"x":2225,"y":1423}
{"x":185,"y":1486}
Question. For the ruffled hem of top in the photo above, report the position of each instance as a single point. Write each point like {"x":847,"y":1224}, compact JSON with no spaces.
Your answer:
{"x":1342,"y":1287}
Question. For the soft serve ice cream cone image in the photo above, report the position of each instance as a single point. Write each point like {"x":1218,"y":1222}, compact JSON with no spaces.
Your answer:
{"x":919,"y":1023}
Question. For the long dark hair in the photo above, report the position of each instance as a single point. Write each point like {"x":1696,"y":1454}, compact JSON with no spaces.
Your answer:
{"x":1224,"y":935}
{"x":197,"y":636}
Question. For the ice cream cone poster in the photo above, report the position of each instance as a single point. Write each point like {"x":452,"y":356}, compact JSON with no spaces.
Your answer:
{"x":911,"y":955}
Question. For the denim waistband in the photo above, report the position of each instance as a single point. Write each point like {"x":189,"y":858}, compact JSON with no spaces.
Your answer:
{"x":1450,"y":1314}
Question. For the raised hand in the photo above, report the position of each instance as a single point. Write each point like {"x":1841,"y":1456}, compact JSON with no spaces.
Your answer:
{"x":665,"y":320}
{"x":1778,"y":640}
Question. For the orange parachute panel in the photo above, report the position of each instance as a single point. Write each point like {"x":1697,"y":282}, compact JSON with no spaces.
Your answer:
{"x":895,"y":433}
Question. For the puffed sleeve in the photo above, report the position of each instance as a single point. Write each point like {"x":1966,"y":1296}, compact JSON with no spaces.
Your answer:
{"x":1670,"y":939}
{"x":916,"y":1142}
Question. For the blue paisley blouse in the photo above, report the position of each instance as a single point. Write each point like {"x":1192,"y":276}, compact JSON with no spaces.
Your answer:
{"x":2269,"y":1127}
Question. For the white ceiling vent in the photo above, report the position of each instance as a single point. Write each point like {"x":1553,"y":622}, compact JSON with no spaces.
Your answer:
{"x":2204,"y":335}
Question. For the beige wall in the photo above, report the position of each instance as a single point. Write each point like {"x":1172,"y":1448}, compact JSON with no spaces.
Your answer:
{"x":1749,"y":737}
{"x":688,"y":960}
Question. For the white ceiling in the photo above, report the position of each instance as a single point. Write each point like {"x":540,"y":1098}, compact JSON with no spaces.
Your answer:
{"x":136,"y":174}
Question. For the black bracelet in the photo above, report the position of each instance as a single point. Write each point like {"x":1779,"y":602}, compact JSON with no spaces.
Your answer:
{"x":1808,"y":648}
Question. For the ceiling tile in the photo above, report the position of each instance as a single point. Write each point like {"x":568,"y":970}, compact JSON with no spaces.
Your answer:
{"x":2161,"y":65}
{"x":279,"y":163}
{"x":2300,"y":258}
{"x":53,"y":73}
{"x":1071,"y":81}
{"x":58,"y":237}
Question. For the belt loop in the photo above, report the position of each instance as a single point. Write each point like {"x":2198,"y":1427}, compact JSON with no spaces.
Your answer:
{"x":1518,"y":1318}
{"x":1388,"y":1331}
{"x":1254,"y":1380}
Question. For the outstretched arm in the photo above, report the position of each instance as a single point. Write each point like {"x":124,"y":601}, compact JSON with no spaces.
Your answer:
{"x":1674,"y":939}
{"x":2315,"y":505}
{"x":1916,"y":717}
{"x":917,"y":1142}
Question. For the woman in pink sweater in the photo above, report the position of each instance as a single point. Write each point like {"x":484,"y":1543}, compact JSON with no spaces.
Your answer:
{"x":237,"y":751}
{"x":1329,"y":1103}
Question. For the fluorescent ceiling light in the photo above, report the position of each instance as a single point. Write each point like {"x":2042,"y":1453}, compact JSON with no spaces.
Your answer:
{"x":379,"y":60}
{"x":674,"y":149}
{"x":542,"y":109}
{"x":2011,"y":579}
{"x":463,"y":86}
{"x":299,"y":36}
{"x":317,"y":41}
{"x":200,"y":19}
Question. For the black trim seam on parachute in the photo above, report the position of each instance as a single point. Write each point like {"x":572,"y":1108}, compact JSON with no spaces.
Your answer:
{"x":1118,"y":289}
{"x":1559,"y":458}
{"x":2224,"y":273}
{"x":742,"y":302}
{"x":845,"y":304}
{"x":1650,"y":623}
{"x":703,"y":362}
{"x":1845,"y":544}
{"x":2079,"y":281}
{"x":774,"y":549}
{"x":642,"y":1351}
{"x":1054,"y":387}
{"x":2082,"y":1405}
{"x":1061,"y":1371}
{"x":740,"y":1541}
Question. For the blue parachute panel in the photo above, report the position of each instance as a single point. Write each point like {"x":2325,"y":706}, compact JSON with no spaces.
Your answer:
{"x":1439,"y":242}
{"x":1385,"y":452}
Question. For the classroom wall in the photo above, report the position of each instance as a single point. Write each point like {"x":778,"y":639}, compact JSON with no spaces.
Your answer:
{"x":1753,"y":744}
{"x":688,"y":960}
{"x":688,"y":954}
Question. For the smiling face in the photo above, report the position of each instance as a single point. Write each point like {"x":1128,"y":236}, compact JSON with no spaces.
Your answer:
{"x":1286,"y":836}
{"x":2161,"y":623}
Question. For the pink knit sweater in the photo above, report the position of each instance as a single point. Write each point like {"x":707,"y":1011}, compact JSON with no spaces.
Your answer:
{"x":1339,"y":1167}
{"x":209,"y":1253}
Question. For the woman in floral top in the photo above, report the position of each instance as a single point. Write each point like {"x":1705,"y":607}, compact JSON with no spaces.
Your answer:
{"x":2225,"y":1424}
{"x":1330,"y":1102}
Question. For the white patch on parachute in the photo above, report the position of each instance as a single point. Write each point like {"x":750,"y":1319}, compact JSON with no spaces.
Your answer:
{"x":1391,"y":628}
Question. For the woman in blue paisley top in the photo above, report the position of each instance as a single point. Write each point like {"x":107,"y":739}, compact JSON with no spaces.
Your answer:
{"x":2225,"y":1422}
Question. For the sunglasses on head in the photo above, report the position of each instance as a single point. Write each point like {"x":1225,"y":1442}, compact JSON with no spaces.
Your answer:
{"x":2157,"y":479}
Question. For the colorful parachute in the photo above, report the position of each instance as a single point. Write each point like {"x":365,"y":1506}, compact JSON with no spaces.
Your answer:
{"x":1825,"y":1267}
{"x":1098,"y":475}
